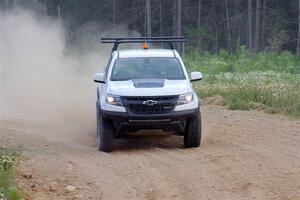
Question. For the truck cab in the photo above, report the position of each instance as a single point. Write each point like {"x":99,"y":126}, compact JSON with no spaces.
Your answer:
{"x":142,"y":89}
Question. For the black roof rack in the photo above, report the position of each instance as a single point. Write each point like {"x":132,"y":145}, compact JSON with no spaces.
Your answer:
{"x":168,"y":40}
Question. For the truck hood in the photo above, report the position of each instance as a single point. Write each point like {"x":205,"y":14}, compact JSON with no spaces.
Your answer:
{"x":148,"y":87}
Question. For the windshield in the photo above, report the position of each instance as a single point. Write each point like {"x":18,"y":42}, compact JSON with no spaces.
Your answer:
{"x":147,"y":68}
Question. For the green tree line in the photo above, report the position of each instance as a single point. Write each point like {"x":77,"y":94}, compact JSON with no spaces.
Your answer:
{"x":210,"y":25}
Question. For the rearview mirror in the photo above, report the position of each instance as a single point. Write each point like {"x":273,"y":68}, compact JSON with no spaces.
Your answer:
{"x":196,"y":76}
{"x":99,"y":78}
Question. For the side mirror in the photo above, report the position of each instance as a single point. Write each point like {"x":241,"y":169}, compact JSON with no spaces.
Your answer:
{"x":99,"y":78}
{"x":196,"y":76}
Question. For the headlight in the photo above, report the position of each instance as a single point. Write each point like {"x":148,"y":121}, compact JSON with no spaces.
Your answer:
{"x":185,"y":99}
{"x":113,"y":100}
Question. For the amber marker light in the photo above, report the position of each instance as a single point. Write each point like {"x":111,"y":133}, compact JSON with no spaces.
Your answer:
{"x":146,"y":46}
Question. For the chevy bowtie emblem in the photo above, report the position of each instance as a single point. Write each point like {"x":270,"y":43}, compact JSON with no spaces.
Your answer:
{"x":150,"y":102}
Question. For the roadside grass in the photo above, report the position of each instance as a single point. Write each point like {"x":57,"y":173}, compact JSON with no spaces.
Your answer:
{"x":8,"y":163}
{"x":243,"y":61}
{"x":245,"y":80}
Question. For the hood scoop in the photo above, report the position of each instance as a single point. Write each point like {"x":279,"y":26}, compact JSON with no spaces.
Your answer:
{"x":148,"y":83}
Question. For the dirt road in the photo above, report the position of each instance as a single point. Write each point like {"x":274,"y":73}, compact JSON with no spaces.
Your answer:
{"x":244,"y":155}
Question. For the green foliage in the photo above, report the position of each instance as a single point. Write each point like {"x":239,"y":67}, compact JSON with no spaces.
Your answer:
{"x":8,"y":161}
{"x":246,"y":79}
{"x":243,"y":61}
{"x":198,"y":37}
{"x":8,"y":158}
{"x":14,"y":193}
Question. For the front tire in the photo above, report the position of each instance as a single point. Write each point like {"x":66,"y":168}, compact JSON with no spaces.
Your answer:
{"x":192,"y":135}
{"x":105,"y":134}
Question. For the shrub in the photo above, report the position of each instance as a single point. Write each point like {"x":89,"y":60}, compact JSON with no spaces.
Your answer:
{"x":243,"y":61}
{"x":8,"y":162}
{"x":247,"y":78}
{"x":278,"y":92}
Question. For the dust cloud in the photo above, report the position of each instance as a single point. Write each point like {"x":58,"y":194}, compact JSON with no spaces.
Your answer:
{"x":43,"y":83}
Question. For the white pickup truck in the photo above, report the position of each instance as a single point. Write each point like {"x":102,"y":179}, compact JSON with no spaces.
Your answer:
{"x":146,"y":89}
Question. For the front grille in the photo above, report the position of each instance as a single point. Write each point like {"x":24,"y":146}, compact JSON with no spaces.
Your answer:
{"x":156,"y":105}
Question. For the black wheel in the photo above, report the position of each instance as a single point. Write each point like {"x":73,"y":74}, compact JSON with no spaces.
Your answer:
{"x":192,"y":135}
{"x":105,"y":134}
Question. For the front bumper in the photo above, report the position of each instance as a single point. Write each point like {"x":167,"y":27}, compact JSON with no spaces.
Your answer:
{"x":126,"y":122}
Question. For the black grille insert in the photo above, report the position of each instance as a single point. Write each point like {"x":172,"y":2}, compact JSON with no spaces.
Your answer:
{"x":150,"y":105}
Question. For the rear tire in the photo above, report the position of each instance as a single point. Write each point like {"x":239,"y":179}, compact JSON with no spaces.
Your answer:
{"x":105,"y":134}
{"x":192,"y":135}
